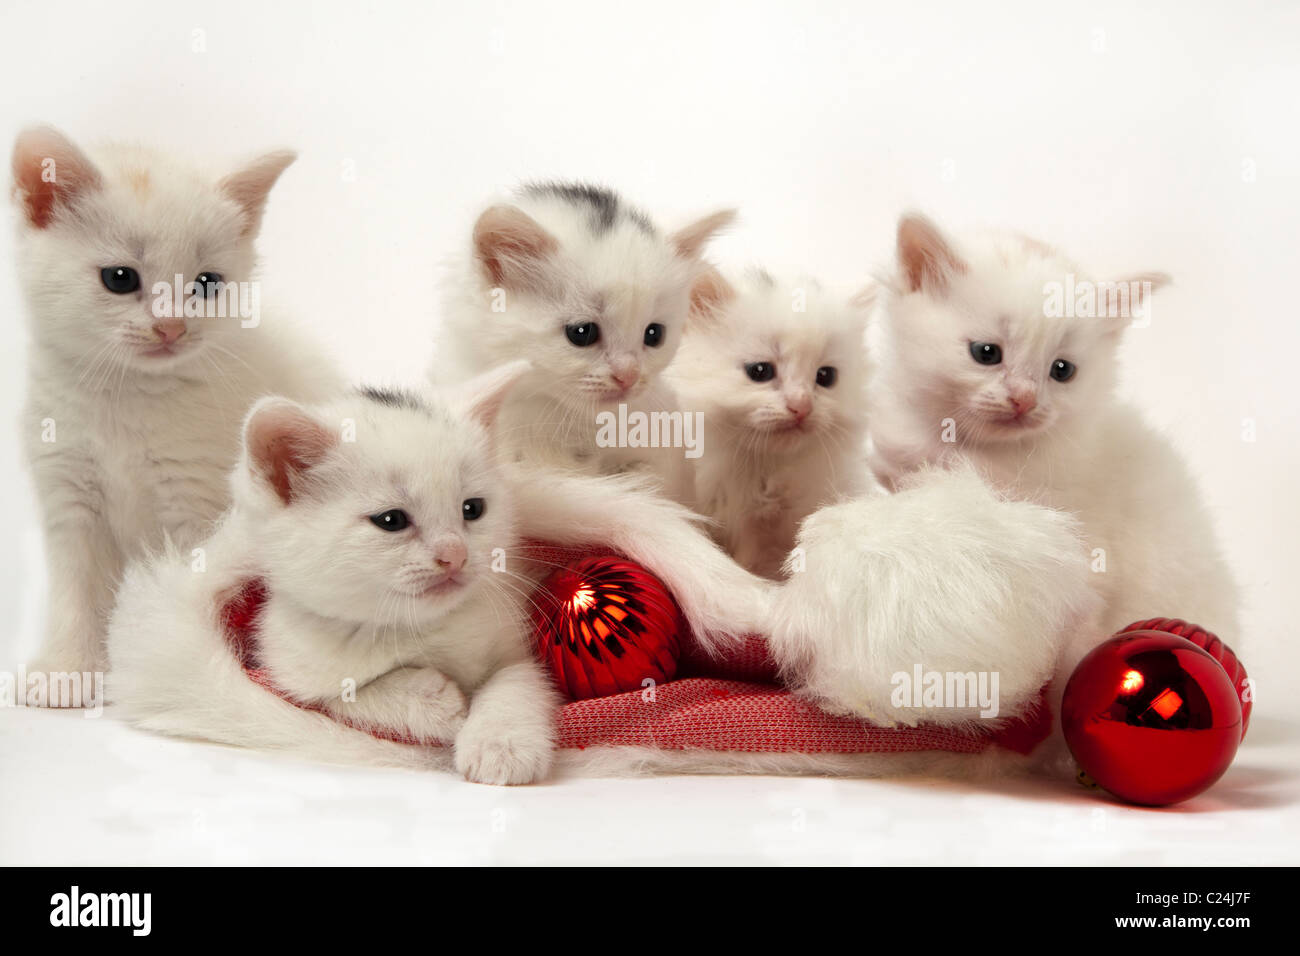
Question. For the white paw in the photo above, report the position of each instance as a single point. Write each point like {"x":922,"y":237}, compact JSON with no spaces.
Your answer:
{"x":438,"y":708}
{"x":495,"y":755}
{"x":69,"y":680}
{"x":743,"y":605}
{"x":773,"y":498}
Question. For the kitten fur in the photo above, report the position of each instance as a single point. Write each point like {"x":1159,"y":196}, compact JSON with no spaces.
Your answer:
{"x":415,"y":620}
{"x":132,"y":423}
{"x":946,"y":574}
{"x":775,"y":450}
{"x":1070,"y":445}
{"x":566,"y":254}
{"x":345,"y":595}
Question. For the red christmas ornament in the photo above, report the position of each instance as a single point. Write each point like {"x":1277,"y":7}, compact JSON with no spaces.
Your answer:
{"x":604,"y":625}
{"x":1151,"y":717}
{"x":1220,"y":651}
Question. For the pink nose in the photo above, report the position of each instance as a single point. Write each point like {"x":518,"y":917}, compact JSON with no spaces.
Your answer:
{"x":626,"y":378}
{"x":798,"y":405}
{"x":449,"y":555}
{"x":169,"y":330}
{"x":624,"y":369}
{"x":1023,"y":402}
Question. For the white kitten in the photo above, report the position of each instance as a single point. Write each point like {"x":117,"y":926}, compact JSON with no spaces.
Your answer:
{"x":778,"y":371}
{"x":373,"y":524}
{"x":974,"y":366}
{"x":132,"y":420}
{"x":380,"y":558}
{"x":586,"y":288}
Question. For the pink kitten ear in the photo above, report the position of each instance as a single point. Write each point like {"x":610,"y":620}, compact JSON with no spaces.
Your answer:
{"x":690,"y":241}
{"x":250,"y":186}
{"x":1128,"y":298}
{"x":484,"y":394}
{"x":283,"y":442}
{"x":710,"y":292}
{"x":49,"y":173}
{"x":512,"y":247}
{"x":1144,"y":284}
{"x":926,"y":259}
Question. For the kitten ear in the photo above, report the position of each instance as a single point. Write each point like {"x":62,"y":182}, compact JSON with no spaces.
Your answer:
{"x":49,"y":173}
{"x":1136,"y":290}
{"x":282,"y":442}
{"x":483,"y":395}
{"x":689,"y":241}
{"x":1144,"y":284}
{"x":512,"y":247}
{"x":250,"y":186}
{"x":927,"y":260}
{"x":710,"y":292}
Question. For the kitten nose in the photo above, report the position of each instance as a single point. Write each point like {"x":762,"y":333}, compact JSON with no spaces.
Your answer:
{"x":449,"y":554}
{"x":1023,"y":401}
{"x":169,"y":330}
{"x":799,"y":405}
{"x":624,"y":370}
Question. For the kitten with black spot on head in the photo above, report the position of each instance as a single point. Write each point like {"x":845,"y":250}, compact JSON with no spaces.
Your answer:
{"x":778,"y":369}
{"x":595,"y":296}
{"x":132,"y":417}
{"x":397,"y":581}
{"x":980,"y":363}
{"x":383,"y":603}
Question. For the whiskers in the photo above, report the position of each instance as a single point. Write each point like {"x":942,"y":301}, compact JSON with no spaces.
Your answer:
{"x":416,"y":580}
{"x":97,"y":370}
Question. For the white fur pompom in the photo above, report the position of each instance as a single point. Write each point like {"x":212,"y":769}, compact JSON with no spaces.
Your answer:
{"x":945,"y":576}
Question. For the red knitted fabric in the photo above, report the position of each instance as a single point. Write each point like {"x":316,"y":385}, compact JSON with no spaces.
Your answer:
{"x":239,"y":617}
{"x":715,"y":705}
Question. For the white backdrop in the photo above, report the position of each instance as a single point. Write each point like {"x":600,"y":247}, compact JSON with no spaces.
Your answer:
{"x":1161,"y":138}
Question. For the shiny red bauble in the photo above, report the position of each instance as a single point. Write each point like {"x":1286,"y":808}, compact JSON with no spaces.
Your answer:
{"x":1151,"y":717}
{"x":605,"y":625}
{"x":1220,"y":651}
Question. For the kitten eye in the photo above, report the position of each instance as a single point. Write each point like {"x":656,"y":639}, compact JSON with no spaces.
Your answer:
{"x":120,"y":279}
{"x":473,"y":508}
{"x":588,"y":333}
{"x":761,"y":371}
{"x":394,"y":520}
{"x":208,"y":283}
{"x":986,"y":353}
{"x":654,"y":335}
{"x":826,"y":376}
{"x":1062,"y":370}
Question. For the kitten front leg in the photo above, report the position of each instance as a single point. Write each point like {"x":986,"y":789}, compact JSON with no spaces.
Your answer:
{"x":190,"y":532}
{"x":509,"y":736}
{"x":420,"y":701}
{"x":758,"y":551}
{"x":84,"y":566}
